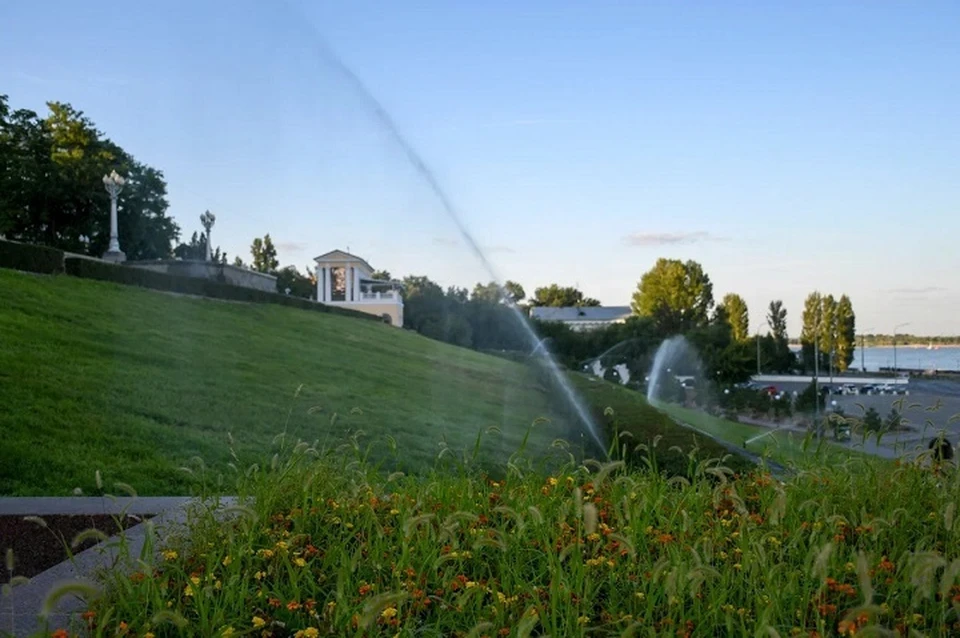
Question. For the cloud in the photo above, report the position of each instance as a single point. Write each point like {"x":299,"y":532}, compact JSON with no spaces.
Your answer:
{"x":668,"y":239}
{"x":926,"y":290}
{"x":444,"y":241}
{"x":291,"y":246}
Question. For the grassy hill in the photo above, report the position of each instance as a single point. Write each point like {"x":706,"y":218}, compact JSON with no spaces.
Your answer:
{"x":135,"y":383}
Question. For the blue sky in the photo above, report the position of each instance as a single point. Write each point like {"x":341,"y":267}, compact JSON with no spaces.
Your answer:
{"x":787,"y":148}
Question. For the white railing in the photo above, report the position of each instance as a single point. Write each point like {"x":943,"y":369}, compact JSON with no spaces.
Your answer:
{"x":388,"y":295}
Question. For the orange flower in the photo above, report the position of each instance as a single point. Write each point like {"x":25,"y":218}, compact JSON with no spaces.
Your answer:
{"x":60,"y":633}
{"x":274,"y":602}
{"x":886,"y":565}
{"x":293,"y":605}
{"x":665,"y":539}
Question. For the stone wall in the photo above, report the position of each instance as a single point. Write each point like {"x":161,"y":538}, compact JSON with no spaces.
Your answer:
{"x":233,"y":275}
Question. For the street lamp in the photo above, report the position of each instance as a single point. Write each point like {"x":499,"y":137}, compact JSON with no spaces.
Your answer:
{"x":863,"y":366}
{"x":767,"y":324}
{"x":207,"y":220}
{"x":113,"y":183}
{"x":895,"y":328}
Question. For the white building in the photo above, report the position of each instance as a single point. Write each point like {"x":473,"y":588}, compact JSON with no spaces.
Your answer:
{"x":347,"y":281}
{"x":582,"y":318}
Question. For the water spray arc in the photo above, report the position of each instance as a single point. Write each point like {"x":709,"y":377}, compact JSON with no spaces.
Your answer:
{"x":390,"y":127}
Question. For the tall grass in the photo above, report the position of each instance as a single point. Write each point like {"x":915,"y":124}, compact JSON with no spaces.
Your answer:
{"x":324,"y":544}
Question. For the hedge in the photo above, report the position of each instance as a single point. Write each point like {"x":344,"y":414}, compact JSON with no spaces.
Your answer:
{"x":132,"y":276}
{"x":30,"y":258}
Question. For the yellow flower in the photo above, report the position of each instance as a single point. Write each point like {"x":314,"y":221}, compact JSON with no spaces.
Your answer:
{"x":265,"y":553}
{"x":299,"y":562}
{"x":394,"y":512}
{"x":388,"y":613}
{"x":470,"y":584}
{"x":170,"y":554}
{"x":641,"y":596}
{"x":260,"y":575}
{"x":583,"y":620}
{"x":309,"y":632}
{"x":149,"y":634}
{"x":593,"y":537}
{"x":258,"y":622}
{"x":552,"y":481}
{"x":227,"y":632}
{"x":281,"y":545}
{"x":227,"y":560}
{"x":737,"y":566}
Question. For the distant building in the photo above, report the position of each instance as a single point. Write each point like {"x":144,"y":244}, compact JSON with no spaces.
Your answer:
{"x":582,"y":318}
{"x":347,"y":281}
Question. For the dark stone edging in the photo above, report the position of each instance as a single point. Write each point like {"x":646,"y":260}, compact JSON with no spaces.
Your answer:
{"x":19,"y":612}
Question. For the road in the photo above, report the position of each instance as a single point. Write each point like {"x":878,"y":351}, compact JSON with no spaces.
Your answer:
{"x":930,"y":406}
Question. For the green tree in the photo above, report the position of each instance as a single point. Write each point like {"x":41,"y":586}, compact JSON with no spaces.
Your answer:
{"x":51,"y":189}
{"x":846,"y":334}
{"x":828,"y":333}
{"x":489,"y":293}
{"x":381,"y":275}
{"x":238,"y":262}
{"x":677,"y":295}
{"x":810,"y":333}
{"x":781,"y":357}
{"x":264,"y":255}
{"x":737,"y":316}
{"x":515,"y":291}
{"x":556,"y":296}
{"x":300,"y":285}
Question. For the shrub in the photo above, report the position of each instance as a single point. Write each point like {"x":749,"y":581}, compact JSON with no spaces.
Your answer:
{"x":808,"y":399}
{"x":128,"y":275}
{"x":31,"y":258}
{"x":872,"y":421}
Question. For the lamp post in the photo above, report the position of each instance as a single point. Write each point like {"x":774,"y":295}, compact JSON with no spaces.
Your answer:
{"x":207,"y":220}
{"x":863,"y":366}
{"x":113,"y":183}
{"x":767,"y":324}
{"x":895,"y":328}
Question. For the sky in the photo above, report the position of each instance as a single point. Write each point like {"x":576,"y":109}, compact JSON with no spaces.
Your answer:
{"x":787,"y":147}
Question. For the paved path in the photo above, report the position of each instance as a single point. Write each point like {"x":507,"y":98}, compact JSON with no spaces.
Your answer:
{"x":20,"y":612}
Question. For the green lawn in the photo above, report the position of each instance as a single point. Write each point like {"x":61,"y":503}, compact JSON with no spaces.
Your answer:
{"x":782,"y":446}
{"x":134,"y":383}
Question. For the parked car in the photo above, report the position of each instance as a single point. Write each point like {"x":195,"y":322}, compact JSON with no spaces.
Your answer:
{"x":848,"y":388}
{"x":867,"y":389}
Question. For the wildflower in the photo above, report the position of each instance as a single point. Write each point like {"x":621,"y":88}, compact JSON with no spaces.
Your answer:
{"x":60,"y":633}
{"x":265,"y":553}
{"x":149,"y":634}
{"x":293,"y":605}
{"x":593,"y":537}
{"x":394,"y":512}
{"x":737,"y":566}
{"x":552,"y":481}
{"x":170,"y":554}
{"x":299,"y":562}
{"x":388,"y":613}
{"x":583,"y":620}
{"x":258,"y":622}
{"x":227,"y":632}
{"x":260,"y":575}
{"x":227,"y":560}
{"x":641,"y":596}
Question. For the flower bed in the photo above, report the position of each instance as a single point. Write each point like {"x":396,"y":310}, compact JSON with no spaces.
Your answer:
{"x":330,"y":547}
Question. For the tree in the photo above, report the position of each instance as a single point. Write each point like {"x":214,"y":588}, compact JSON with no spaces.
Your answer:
{"x":810,"y":333}
{"x":196,"y":248}
{"x":828,"y":332}
{"x":846,"y":333}
{"x":51,"y":190}
{"x":556,"y":296}
{"x":264,"y":255}
{"x":238,"y":262}
{"x":300,"y":285}
{"x":381,"y":275}
{"x":516,"y":292}
{"x":781,"y":357}
{"x":737,"y":316}
{"x":677,"y":295}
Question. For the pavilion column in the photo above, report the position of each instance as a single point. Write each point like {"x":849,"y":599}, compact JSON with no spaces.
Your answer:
{"x":327,"y":293}
{"x":356,"y":285}
{"x":320,"y":285}
{"x":350,"y":282}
